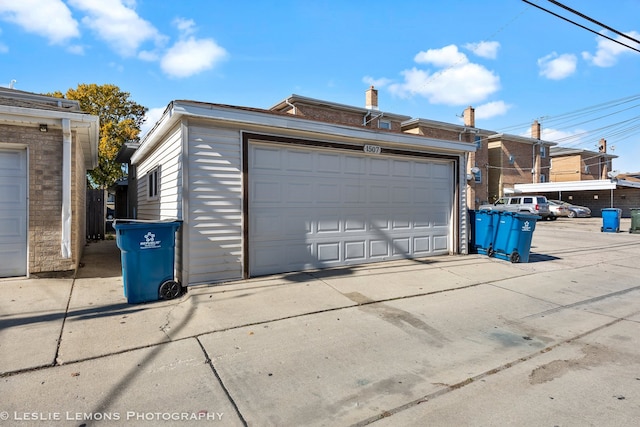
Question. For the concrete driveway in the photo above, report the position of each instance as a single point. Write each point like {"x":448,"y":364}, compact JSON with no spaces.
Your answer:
{"x":458,"y":340}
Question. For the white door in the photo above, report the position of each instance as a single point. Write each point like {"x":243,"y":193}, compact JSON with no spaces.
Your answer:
{"x":312,"y":208}
{"x":13,"y":213}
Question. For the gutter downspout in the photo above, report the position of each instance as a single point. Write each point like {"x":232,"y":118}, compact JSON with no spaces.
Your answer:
{"x":65,"y":243}
{"x":295,"y":111}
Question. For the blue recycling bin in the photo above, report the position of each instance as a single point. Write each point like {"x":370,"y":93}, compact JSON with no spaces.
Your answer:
{"x":147,"y":250}
{"x":611,"y":220}
{"x":485,"y":222}
{"x":513,"y":236}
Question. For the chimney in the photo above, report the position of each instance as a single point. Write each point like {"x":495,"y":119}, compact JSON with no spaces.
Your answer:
{"x":535,"y":130}
{"x":371,"y":101}
{"x":470,"y":116}
{"x":602,"y":145}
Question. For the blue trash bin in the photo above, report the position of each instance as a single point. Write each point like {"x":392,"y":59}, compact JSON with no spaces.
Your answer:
{"x":513,"y":236}
{"x":611,"y":220}
{"x":485,"y":223}
{"x":147,"y":250}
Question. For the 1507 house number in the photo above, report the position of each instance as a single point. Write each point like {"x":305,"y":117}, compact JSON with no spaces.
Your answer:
{"x":372,"y":149}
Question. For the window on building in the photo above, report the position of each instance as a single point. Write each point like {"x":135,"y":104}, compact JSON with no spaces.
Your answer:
{"x":384,"y":124}
{"x":543,"y":151}
{"x":543,"y":178}
{"x":478,"y":142}
{"x":152,"y":183}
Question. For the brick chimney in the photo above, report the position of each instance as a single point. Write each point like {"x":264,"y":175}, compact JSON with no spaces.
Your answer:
{"x":371,"y":101}
{"x":469,"y":116}
{"x":535,"y":130}
{"x":602,"y":145}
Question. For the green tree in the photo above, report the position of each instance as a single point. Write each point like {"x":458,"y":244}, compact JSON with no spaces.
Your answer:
{"x":120,"y":122}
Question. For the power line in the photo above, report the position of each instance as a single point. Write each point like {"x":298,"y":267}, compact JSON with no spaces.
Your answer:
{"x":557,"y":3}
{"x":580,"y":25}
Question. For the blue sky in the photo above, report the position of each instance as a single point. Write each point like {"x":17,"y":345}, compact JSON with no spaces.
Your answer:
{"x":429,"y":59}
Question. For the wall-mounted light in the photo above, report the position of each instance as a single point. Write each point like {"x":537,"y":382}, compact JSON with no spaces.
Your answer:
{"x":43,"y":127}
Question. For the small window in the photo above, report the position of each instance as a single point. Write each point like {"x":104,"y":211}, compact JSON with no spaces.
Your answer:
{"x":515,"y":201}
{"x":478,"y":142}
{"x":528,"y":200}
{"x":543,"y":178}
{"x":543,"y":152}
{"x":384,"y":124}
{"x":152,"y":183}
{"x":586,"y":168}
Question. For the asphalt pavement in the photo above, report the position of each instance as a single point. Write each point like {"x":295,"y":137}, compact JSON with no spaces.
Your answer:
{"x":443,"y":341}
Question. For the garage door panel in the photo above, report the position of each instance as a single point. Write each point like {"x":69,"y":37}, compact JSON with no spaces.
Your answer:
{"x":421,"y":245}
{"x":267,"y":158}
{"x":299,"y":192}
{"x":13,"y":213}
{"x":327,"y":193}
{"x":298,"y":161}
{"x":401,"y":246}
{"x":379,"y":167}
{"x":355,"y":250}
{"x":440,"y":243}
{"x":378,"y":248}
{"x":354,"y":165}
{"x":355,"y":224}
{"x":265,"y":191}
{"x":344,"y":209}
{"x":328,"y":252}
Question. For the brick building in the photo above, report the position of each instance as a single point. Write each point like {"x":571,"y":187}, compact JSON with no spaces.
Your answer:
{"x":46,"y":146}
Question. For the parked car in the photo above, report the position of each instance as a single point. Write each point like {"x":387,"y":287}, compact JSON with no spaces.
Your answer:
{"x":575,"y":211}
{"x":558,"y":208}
{"x":536,"y":205}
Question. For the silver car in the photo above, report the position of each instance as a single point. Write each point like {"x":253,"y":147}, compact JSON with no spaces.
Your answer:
{"x":536,"y":205}
{"x":575,"y":211}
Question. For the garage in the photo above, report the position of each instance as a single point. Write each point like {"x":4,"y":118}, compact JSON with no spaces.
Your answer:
{"x":316,"y":207}
{"x":13,"y":212}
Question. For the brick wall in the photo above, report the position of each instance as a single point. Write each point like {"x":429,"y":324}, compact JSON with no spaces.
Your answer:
{"x":45,"y":197}
{"x":348,"y":118}
{"x":579,"y":167}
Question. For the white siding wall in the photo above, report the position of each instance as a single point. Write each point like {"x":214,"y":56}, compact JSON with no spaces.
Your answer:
{"x":168,"y":157}
{"x":168,"y":204}
{"x":214,"y":205}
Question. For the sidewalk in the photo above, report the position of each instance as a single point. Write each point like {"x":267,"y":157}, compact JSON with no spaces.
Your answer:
{"x":336,"y":347}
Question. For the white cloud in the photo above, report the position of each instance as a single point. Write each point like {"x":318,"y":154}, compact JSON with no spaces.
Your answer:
{"x":192,"y":56}
{"x":378,"y":83}
{"x":460,"y":85}
{"x":47,"y":18}
{"x":491,"y":109}
{"x":557,"y":67}
{"x":608,"y":51}
{"x":458,"y":82}
{"x":448,"y":56}
{"x":115,"y":22}
{"x":185,"y":26}
{"x":484,"y":49}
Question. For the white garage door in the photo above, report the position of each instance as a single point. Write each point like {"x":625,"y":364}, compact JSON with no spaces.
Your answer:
{"x":13,"y":213}
{"x":312,"y":208}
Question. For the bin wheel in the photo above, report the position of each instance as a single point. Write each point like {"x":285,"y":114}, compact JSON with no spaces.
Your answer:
{"x":170,"y":290}
{"x":490,"y":252}
{"x":515,"y":257}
